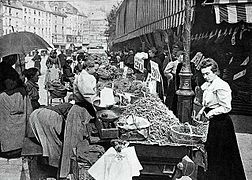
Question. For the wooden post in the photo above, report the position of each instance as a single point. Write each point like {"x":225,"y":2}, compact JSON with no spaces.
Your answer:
{"x":185,"y":93}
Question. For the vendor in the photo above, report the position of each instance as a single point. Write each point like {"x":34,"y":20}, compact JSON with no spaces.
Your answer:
{"x":48,"y":126}
{"x":85,"y":83}
{"x":85,"y":87}
{"x":223,"y":157}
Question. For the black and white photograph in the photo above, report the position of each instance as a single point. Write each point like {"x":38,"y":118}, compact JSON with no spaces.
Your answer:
{"x":125,"y":90}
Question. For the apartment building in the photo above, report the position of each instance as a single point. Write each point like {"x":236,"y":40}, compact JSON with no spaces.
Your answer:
{"x":11,"y":16}
{"x":58,"y":22}
{"x":38,"y":19}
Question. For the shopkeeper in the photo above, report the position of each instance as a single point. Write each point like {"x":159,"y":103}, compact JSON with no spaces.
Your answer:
{"x":224,"y":161}
{"x":85,"y":87}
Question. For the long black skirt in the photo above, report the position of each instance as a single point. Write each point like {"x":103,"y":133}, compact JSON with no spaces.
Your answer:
{"x":224,"y":161}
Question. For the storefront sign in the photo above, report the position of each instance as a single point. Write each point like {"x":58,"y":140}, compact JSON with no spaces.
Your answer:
{"x":155,"y":74}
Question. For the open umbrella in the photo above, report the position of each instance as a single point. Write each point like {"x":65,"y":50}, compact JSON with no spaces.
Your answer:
{"x":21,"y":43}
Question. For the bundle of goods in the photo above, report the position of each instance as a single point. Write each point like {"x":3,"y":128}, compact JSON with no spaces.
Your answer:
{"x":160,"y":117}
{"x":187,"y":134}
{"x":109,"y":72}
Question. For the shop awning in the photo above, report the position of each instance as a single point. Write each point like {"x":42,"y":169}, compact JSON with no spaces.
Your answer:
{"x":233,"y":11}
{"x":136,"y":18}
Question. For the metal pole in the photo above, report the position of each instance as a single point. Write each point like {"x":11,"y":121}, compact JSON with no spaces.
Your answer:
{"x":185,"y":93}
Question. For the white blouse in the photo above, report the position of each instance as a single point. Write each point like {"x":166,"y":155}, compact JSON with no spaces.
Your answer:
{"x":85,"y":84}
{"x":217,"y":96}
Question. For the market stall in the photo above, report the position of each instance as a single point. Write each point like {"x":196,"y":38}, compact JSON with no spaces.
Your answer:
{"x":130,"y":113}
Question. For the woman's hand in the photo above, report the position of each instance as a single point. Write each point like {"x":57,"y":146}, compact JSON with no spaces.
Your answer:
{"x":208,"y":115}
{"x":198,"y":117}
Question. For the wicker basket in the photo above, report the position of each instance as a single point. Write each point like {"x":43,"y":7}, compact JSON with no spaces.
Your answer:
{"x":185,"y":137}
{"x":203,"y":126}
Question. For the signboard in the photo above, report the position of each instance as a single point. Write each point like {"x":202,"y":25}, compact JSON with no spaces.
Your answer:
{"x":139,"y":64}
{"x":155,"y":74}
{"x":239,"y":75}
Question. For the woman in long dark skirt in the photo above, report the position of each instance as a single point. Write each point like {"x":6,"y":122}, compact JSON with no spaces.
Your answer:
{"x":224,"y":161}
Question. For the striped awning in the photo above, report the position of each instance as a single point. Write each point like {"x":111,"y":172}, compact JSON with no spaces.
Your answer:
{"x":233,"y":11}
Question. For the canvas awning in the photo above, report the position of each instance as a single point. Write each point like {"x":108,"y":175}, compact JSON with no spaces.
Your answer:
{"x":233,"y":11}
{"x":136,"y":18}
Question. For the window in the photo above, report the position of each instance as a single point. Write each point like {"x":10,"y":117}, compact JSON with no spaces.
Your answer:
{"x":34,"y":11}
{"x":39,"y":13}
{"x":10,"y":11}
{"x":25,"y":10}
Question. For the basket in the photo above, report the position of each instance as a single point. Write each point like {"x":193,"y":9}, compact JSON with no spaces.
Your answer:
{"x":202,"y":126}
{"x":185,"y":137}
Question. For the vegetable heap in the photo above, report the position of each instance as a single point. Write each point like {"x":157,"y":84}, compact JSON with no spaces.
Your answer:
{"x":160,"y":117}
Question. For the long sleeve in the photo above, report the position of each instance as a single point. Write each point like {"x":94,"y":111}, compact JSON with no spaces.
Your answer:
{"x":217,"y":96}
{"x":224,"y":101}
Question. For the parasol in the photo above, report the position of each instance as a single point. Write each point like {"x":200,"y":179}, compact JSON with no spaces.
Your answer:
{"x":21,"y":43}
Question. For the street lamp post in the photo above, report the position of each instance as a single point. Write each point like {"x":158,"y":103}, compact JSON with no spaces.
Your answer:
{"x":185,"y":92}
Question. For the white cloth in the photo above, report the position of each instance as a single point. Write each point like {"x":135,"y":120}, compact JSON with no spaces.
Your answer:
{"x":217,"y":95}
{"x":113,"y":165}
{"x":85,"y":86}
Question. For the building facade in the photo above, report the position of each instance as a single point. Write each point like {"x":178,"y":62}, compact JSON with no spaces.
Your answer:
{"x":12,"y":17}
{"x":59,"y":23}
{"x":37,"y":19}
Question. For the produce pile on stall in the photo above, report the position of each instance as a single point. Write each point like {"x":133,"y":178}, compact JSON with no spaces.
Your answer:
{"x":160,"y":117}
{"x":163,"y":121}
{"x":165,"y":126}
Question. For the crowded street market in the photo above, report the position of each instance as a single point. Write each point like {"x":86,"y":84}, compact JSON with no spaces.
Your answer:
{"x":155,"y":105}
